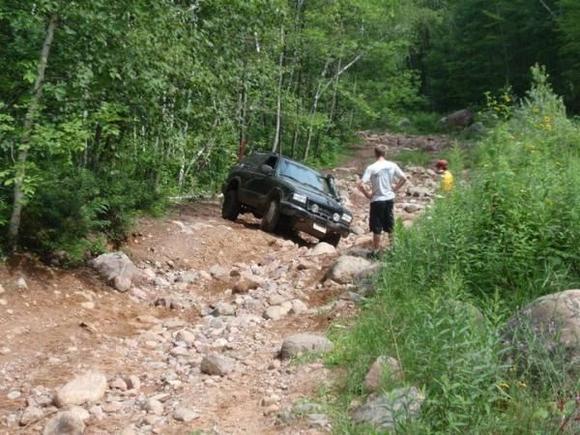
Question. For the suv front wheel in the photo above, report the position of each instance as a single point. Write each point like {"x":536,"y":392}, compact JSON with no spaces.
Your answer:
{"x":231,"y":206}
{"x":332,"y":239}
{"x":271,"y":217}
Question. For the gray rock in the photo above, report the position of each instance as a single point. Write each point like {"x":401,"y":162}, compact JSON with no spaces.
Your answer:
{"x":298,"y":307}
{"x":411,"y":208}
{"x":224,"y":309}
{"x":186,"y":336}
{"x":188,"y":277}
{"x":217,"y":365}
{"x":458,"y":119}
{"x":348,"y":268}
{"x":133,"y":382}
{"x":185,"y":414}
{"x":383,"y":366}
{"x":387,"y":410}
{"x":276,"y":312}
{"x":322,"y":248}
{"x":298,"y":344}
{"x":218,"y":272}
{"x":21,"y":284}
{"x":552,"y":322}
{"x":30,"y":415}
{"x":154,"y":406}
{"x":65,"y":423}
{"x":89,"y":387}
{"x":318,"y":420}
{"x":419,"y":192}
{"x":476,"y":128}
{"x":117,"y":269}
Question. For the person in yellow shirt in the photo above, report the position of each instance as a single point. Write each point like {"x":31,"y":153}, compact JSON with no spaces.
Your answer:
{"x":447,"y":181}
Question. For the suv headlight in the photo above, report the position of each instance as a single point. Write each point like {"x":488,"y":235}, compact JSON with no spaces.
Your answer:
{"x":347,"y":218}
{"x":335,"y":217}
{"x":299,"y":198}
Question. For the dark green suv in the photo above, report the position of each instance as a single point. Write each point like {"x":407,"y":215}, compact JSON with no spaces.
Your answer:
{"x":286,"y":194}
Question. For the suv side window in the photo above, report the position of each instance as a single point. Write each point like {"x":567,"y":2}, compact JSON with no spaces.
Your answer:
{"x":271,"y":161}
{"x":253,"y":160}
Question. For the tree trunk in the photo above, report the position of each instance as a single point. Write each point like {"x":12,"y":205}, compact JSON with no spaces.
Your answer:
{"x":276,"y":142}
{"x":317,"y":95}
{"x":14,"y":227}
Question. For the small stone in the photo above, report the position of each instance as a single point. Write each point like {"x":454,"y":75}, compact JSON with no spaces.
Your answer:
{"x":154,"y":406}
{"x":30,"y":415}
{"x":298,"y":307}
{"x":383,"y":365}
{"x":244,"y":286}
{"x":3,"y":302}
{"x":97,"y":412}
{"x":276,"y":312}
{"x":224,"y":309}
{"x":322,"y":248}
{"x":318,"y":420}
{"x":2,"y":289}
{"x":112,"y":407}
{"x":411,"y":208}
{"x":89,"y":387}
{"x":270,"y":400}
{"x":21,"y":284}
{"x":133,"y":382}
{"x":217,"y":365}
{"x":4,"y":350}
{"x":122,"y":283}
{"x":185,"y":414}
{"x":13,"y":395}
{"x":218,"y":272}
{"x":80,"y":412}
{"x":272,"y":409}
{"x":89,"y":305}
{"x":65,"y":423}
{"x":298,"y":344}
{"x":391,"y":409}
{"x":186,"y":336}
{"x":119,"y":384}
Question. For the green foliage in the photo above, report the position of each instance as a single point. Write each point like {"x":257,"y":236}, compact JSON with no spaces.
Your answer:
{"x":504,"y":239}
{"x":476,"y":46}
{"x":145,"y":98}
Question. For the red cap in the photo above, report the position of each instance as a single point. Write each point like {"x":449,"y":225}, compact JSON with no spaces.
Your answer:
{"x":442,"y":164}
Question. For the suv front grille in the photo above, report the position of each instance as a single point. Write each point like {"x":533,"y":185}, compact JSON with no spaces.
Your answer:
{"x":327,"y":214}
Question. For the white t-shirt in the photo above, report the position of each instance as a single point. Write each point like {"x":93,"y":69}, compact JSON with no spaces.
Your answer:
{"x":382,"y":175}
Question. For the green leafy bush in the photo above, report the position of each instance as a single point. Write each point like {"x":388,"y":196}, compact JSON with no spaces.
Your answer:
{"x":505,"y":238}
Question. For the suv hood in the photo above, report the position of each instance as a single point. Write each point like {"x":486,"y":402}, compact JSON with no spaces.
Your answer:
{"x":321,"y":198}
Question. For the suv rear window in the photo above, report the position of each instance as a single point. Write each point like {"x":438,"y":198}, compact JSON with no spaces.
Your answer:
{"x":304,"y":175}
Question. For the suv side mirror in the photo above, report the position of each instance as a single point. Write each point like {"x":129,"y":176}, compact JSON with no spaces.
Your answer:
{"x":267,"y":169}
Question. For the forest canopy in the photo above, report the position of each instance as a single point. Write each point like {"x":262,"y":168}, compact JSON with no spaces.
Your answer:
{"x":109,"y":107}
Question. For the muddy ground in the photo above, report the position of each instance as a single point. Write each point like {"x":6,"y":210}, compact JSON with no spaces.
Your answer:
{"x":58,"y":323}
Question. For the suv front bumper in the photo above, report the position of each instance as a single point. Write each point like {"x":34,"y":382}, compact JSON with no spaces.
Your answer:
{"x":308,"y":222}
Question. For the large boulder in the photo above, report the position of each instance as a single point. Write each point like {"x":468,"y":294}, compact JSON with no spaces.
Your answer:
{"x":459,"y":119}
{"x":89,"y":387}
{"x":117,"y":269}
{"x":384,"y":366}
{"x":348,"y":268}
{"x":553,"y":322}
{"x":65,"y":423}
{"x":322,"y":248}
{"x":299,"y":344}
{"x":388,"y":410}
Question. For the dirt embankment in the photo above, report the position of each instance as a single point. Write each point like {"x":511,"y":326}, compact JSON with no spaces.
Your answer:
{"x":214,"y":288}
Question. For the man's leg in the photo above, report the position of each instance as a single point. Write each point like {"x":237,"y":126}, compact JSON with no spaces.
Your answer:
{"x":376,"y":242}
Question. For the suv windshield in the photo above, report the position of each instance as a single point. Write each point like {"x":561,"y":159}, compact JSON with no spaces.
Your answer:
{"x":304,"y":175}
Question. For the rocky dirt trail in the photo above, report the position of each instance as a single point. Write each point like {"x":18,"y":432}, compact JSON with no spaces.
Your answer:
{"x":197,"y":331}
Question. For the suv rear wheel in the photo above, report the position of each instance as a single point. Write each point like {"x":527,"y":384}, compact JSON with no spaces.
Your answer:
{"x":231,"y":205}
{"x":271,"y":217}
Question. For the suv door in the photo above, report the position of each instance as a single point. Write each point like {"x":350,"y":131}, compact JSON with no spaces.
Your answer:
{"x":259,"y":183}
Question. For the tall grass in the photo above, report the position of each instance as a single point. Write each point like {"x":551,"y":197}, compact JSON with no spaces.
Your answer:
{"x":506,"y":237}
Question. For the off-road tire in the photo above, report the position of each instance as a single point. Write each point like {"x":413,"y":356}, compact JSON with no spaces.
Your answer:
{"x":271,"y":217}
{"x":231,"y":206}
{"x":332,"y":239}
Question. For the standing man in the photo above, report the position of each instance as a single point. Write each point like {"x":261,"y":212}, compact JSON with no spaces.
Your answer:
{"x":386,"y":178}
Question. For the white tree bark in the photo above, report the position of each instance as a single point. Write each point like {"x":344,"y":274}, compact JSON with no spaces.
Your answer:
{"x":15,"y":219}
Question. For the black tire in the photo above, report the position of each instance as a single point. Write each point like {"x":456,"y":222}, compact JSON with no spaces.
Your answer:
{"x":271,"y":217}
{"x":231,"y":205}
{"x":332,"y":239}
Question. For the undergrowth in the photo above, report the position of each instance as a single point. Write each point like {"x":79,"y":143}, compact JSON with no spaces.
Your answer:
{"x":506,"y":237}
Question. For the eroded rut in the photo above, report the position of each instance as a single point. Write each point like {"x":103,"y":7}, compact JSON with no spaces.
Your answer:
{"x":214,"y":288}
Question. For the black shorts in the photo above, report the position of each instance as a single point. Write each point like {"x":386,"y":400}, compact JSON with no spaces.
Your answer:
{"x":381,"y":217}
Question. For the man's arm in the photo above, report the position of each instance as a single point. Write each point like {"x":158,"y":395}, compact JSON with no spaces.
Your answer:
{"x":362,"y":187}
{"x":402,"y":180}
